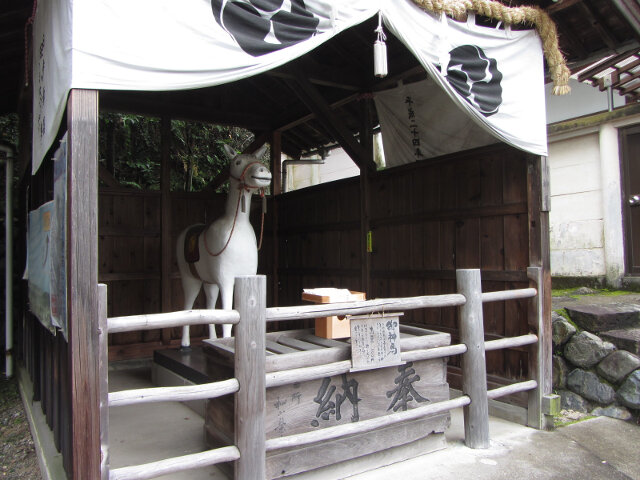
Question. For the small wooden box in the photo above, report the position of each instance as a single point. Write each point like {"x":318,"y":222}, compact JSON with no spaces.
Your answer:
{"x":332,"y":327}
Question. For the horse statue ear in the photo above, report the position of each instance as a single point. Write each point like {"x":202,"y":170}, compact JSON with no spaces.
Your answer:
{"x":261,"y":151}
{"x":230,"y":151}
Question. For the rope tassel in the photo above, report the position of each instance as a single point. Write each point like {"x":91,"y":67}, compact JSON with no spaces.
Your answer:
{"x":380,"y":51}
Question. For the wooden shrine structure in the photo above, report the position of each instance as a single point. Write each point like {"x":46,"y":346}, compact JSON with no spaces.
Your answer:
{"x":427,"y":223}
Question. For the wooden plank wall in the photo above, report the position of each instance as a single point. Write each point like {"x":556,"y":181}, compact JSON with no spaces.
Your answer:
{"x":129,"y":246}
{"x":319,"y":241}
{"x":466,"y":210}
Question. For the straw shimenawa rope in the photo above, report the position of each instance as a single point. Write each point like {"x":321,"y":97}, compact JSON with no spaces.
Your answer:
{"x":513,"y":15}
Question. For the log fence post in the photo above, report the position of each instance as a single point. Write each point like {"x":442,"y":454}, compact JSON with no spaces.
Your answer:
{"x":103,"y":372}
{"x":539,"y":357}
{"x":474,"y":368}
{"x":250,"y":301}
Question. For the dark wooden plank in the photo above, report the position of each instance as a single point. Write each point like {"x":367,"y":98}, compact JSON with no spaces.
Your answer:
{"x":365,"y":212}
{"x":325,"y":342}
{"x":279,"y":348}
{"x":468,"y":243}
{"x":451,"y":214}
{"x":300,"y":345}
{"x":82,"y":204}
{"x":166,"y":240}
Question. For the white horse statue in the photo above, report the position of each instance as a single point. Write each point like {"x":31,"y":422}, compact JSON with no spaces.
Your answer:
{"x":213,"y":256}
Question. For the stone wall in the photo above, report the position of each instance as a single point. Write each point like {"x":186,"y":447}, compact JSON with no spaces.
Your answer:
{"x":593,"y":376}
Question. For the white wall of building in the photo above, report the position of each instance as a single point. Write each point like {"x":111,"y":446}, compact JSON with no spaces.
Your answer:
{"x":584,"y":99}
{"x":586,"y":225}
{"x":576,"y":217}
{"x":336,"y":166}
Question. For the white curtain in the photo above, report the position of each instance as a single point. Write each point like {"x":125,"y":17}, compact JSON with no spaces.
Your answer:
{"x":171,"y":45}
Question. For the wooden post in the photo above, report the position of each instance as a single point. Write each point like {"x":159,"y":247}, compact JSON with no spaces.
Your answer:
{"x":276,"y":163}
{"x":366,"y":168}
{"x":250,"y":301}
{"x":474,"y":365}
{"x":82,"y":282}
{"x":538,"y":200}
{"x":103,"y":365}
{"x":534,"y":412}
{"x":276,"y":189}
{"x":365,"y":226}
{"x":165,"y":223}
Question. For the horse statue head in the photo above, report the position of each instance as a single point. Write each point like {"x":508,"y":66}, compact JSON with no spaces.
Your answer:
{"x":247,"y":170}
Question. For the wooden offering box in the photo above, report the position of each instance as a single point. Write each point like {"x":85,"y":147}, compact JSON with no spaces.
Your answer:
{"x":336,"y":400}
{"x":332,"y":327}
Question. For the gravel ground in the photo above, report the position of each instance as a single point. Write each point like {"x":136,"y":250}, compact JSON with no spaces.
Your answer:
{"x":17,"y":454}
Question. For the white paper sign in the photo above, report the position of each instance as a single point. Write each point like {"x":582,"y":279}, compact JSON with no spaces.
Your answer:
{"x":375,"y":341}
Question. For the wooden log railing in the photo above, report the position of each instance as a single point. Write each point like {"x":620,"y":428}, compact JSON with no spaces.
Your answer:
{"x":251,"y":380}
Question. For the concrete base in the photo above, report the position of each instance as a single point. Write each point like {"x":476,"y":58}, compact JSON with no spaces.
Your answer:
{"x":163,"y":377}
{"x":598,"y":449}
{"x":49,"y":459}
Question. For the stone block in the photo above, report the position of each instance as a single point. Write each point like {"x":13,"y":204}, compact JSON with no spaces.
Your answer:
{"x":629,"y":391}
{"x":561,"y":331}
{"x":590,"y":386}
{"x":551,"y":404}
{"x":613,"y":411}
{"x":617,"y":365}
{"x":600,"y":318}
{"x":560,"y":371}
{"x":628,"y":339}
{"x":573,"y":401}
{"x":586,"y":349}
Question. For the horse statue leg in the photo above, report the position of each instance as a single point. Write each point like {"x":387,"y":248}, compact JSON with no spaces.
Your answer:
{"x":226,"y":291}
{"x":211,"y":293}
{"x":191,"y":288}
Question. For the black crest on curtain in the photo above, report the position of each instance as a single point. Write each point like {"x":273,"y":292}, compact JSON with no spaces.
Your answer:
{"x":476,"y":77}
{"x":264,"y":26}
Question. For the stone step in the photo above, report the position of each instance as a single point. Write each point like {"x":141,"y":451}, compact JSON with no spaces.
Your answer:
{"x":624,"y":339}
{"x":601,"y":318}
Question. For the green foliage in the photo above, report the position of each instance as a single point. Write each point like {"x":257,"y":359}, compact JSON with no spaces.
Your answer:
{"x":130,"y":149}
{"x":9,"y":130}
{"x":563,"y":292}
{"x":563,"y":313}
{"x":129,"y":146}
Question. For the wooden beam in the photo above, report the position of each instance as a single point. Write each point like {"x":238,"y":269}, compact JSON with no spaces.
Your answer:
{"x":285,"y":125}
{"x":82,"y":282}
{"x":630,"y":89}
{"x":561,"y":5}
{"x":166,"y":245}
{"x":597,"y":23}
{"x":620,"y":84}
{"x":162,"y":105}
{"x":312,"y":98}
{"x":601,"y":67}
{"x":571,"y":38}
{"x":328,"y":81}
